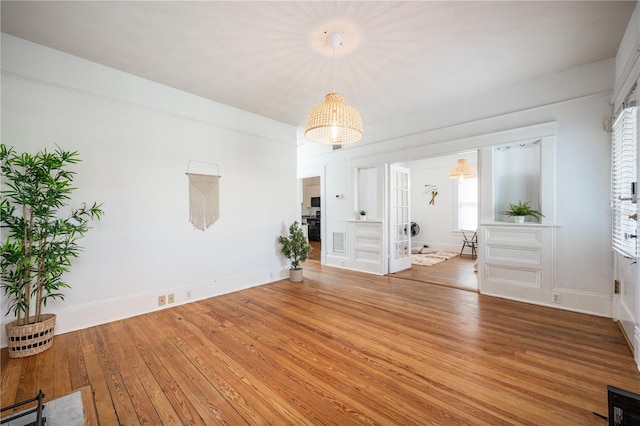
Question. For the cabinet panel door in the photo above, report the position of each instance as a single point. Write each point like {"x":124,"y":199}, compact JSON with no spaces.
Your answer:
{"x":310,"y":191}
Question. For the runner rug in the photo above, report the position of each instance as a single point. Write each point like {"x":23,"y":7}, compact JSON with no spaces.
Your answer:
{"x":430,"y":259}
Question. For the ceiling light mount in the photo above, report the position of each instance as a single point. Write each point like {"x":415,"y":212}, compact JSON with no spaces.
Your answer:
{"x":350,"y":33}
{"x":334,"y":40}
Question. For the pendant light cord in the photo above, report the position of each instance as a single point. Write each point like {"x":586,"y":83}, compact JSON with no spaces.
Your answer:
{"x":333,"y":69}
{"x":334,"y":40}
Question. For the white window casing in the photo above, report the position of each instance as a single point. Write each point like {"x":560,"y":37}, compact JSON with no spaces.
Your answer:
{"x":623,"y":177}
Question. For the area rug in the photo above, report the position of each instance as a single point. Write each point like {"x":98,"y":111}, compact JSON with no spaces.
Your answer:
{"x":430,"y":259}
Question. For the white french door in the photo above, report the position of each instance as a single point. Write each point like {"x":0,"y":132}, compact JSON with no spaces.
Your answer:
{"x":399,"y":224}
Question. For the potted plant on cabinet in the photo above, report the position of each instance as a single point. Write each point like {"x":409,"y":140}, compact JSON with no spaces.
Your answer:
{"x":296,"y":248}
{"x":520,"y":211}
{"x":363,"y":214}
{"x":40,"y":242}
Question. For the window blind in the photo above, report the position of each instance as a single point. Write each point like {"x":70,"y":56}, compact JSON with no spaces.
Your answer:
{"x":623,"y":174}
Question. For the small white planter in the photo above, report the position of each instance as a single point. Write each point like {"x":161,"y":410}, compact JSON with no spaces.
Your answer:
{"x":363,"y":217}
{"x":518,"y":219}
{"x":295,"y":275}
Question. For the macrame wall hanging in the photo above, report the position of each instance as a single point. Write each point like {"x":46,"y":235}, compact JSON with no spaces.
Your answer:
{"x":204,"y":194}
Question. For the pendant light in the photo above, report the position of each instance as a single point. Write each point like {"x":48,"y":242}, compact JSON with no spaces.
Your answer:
{"x":462,"y":170}
{"x":334,"y":122}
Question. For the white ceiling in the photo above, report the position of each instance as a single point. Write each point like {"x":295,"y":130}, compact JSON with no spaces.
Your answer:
{"x":271,"y":57}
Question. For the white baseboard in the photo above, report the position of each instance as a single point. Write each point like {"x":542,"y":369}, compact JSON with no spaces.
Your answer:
{"x":440,"y":247}
{"x":571,"y":300}
{"x":354,"y":265}
{"x":98,"y":312}
{"x":585,"y":302}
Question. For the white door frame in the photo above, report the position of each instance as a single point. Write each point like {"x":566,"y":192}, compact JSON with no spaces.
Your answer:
{"x":309,"y":173}
{"x":399,"y":218}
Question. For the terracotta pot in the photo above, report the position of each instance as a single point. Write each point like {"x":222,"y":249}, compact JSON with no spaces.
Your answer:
{"x":295,"y":275}
{"x":30,"y":339}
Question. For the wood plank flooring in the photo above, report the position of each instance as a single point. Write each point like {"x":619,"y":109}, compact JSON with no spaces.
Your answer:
{"x":315,"y":254}
{"x":341,"y":348}
{"x":455,"y":272}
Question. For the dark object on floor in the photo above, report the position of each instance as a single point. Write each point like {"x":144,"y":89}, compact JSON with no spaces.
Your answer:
{"x":624,"y":407}
{"x":40,"y":420}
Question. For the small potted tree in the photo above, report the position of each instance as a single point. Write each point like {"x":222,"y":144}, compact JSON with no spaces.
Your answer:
{"x":520,"y":211}
{"x":296,"y":248}
{"x":42,"y":235}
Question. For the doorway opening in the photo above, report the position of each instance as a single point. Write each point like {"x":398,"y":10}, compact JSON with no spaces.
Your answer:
{"x":440,"y":208}
{"x":311,"y":214}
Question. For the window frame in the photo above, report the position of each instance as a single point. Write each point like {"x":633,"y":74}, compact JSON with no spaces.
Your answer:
{"x":456,"y":210}
{"x":624,"y":140}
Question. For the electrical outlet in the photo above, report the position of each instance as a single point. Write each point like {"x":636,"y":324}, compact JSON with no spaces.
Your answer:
{"x":162,"y":300}
{"x":187,"y":294}
{"x":171,"y":298}
{"x":556,"y":298}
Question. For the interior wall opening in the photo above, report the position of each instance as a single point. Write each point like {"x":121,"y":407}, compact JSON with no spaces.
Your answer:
{"x":311,"y":206}
{"x":441,"y":208}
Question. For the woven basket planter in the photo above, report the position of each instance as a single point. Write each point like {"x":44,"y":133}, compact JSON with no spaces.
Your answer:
{"x":30,"y":339}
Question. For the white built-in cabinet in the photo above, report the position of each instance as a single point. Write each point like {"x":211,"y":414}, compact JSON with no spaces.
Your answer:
{"x":516,"y":261}
{"x":366,"y":246}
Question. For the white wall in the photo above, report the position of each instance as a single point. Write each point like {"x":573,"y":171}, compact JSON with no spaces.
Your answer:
{"x":576,"y":100}
{"x":135,"y":139}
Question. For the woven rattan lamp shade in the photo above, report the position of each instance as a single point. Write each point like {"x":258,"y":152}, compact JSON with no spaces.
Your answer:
{"x":462,"y":170}
{"x":334,"y":122}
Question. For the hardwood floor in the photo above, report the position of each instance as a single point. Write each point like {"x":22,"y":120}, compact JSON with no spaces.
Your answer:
{"x":315,"y":253}
{"x":455,"y":272}
{"x":341,"y":348}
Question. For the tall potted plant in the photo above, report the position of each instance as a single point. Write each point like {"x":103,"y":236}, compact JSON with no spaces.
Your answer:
{"x":296,"y":248}
{"x":42,"y":234}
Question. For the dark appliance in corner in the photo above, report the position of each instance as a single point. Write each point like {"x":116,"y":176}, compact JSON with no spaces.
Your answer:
{"x":315,"y":201}
{"x":314,"y":227}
